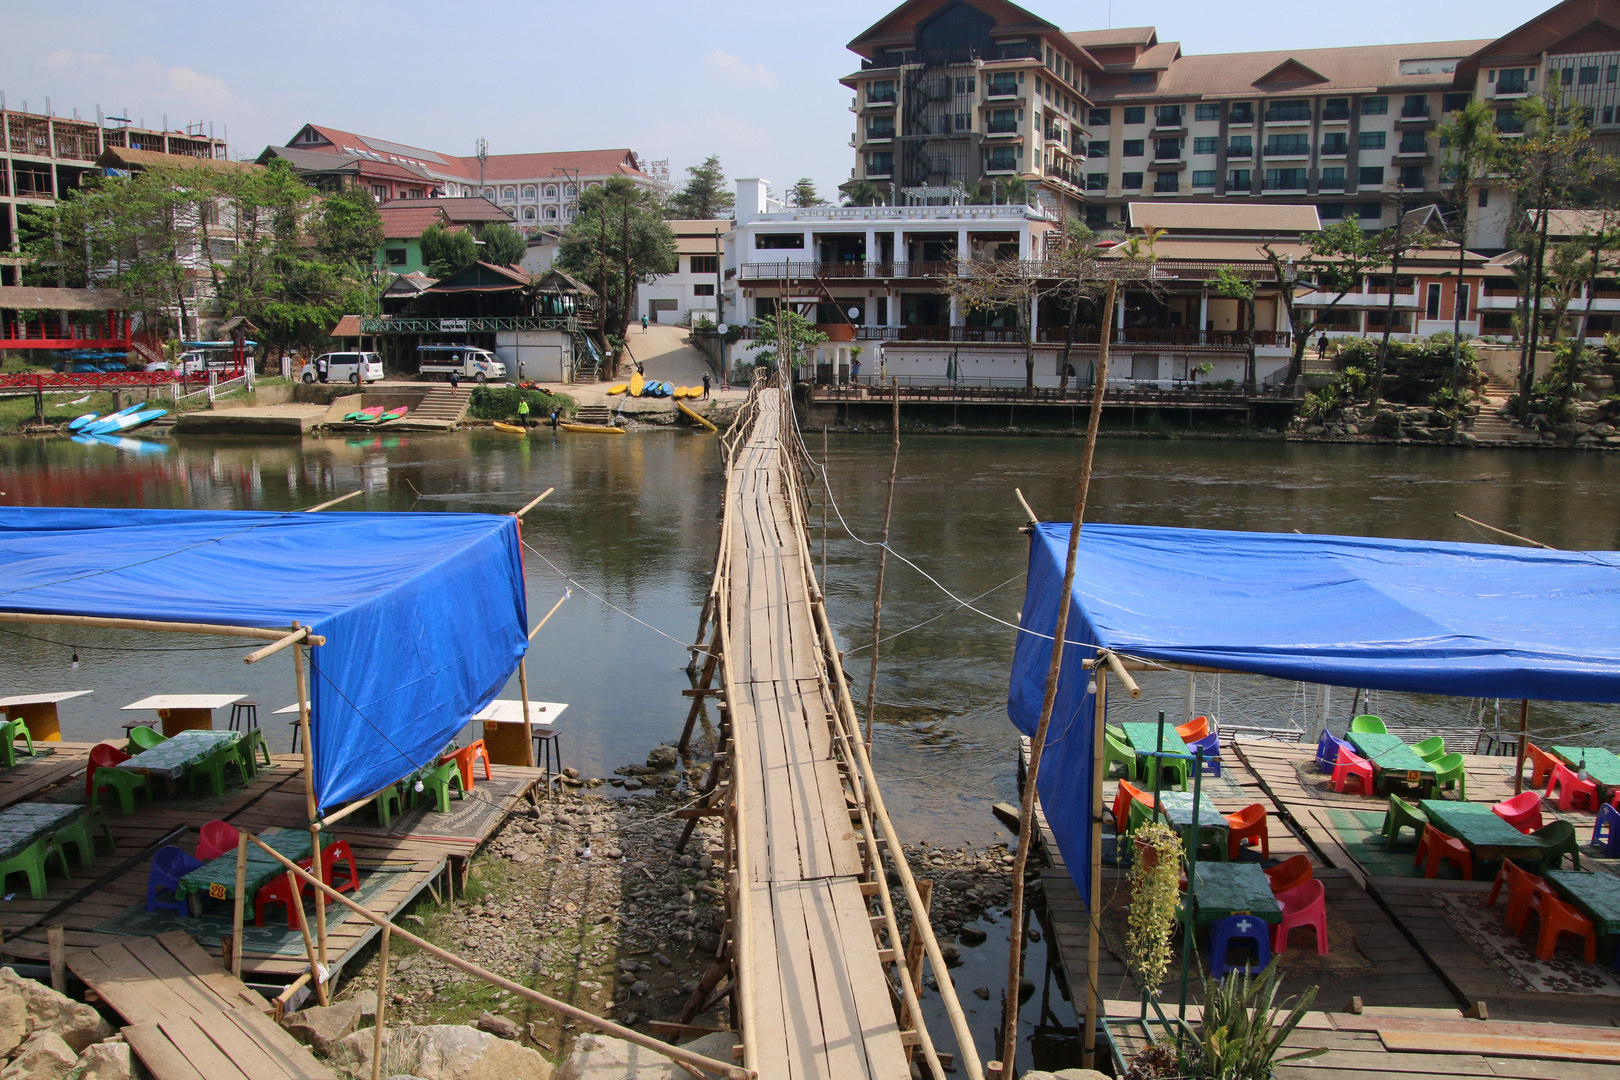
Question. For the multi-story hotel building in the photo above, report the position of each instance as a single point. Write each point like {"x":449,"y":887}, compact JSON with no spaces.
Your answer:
{"x":953,"y":93}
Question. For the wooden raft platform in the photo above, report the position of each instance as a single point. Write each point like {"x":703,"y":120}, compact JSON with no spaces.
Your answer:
{"x":823,"y":1008}
{"x":275,"y":798}
{"x":188,"y":1018}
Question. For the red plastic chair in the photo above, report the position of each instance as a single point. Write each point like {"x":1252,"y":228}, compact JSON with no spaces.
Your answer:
{"x":1435,"y":847}
{"x":102,"y":756}
{"x":464,"y":759}
{"x":1572,"y":790}
{"x":1351,"y":767}
{"x":1248,"y":824}
{"x":218,"y":838}
{"x":281,"y":890}
{"x":1290,"y":872}
{"x":1558,"y":918}
{"x":1523,"y":811}
{"x":1303,"y":905}
{"x":1194,"y":729}
{"x":1541,"y":764}
{"x":1521,"y":886}
{"x":329,"y":860}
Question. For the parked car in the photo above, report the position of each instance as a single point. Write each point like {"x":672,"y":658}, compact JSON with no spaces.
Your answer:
{"x":345,"y":367}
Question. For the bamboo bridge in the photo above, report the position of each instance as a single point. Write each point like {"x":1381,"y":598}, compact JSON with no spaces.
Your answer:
{"x":824,"y":986}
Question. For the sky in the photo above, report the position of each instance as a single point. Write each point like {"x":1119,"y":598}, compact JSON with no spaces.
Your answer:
{"x":755,"y":83}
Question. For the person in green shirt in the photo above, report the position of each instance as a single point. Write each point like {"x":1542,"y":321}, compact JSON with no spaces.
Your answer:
{"x":523,"y":413}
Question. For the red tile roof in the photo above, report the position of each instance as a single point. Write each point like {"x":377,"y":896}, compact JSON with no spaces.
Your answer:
{"x":590,"y":163}
{"x":405,"y":218}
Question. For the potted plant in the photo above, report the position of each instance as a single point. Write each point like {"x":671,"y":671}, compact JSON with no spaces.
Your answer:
{"x":1155,"y":897}
{"x":1241,"y":1034}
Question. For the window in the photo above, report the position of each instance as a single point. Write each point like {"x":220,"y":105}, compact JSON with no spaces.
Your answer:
{"x":705,"y":264}
{"x":1413,"y":142}
{"x":1288,"y":145}
{"x":1139,"y":77}
{"x":570,"y":192}
{"x":528,"y":213}
{"x":1484,"y":197}
{"x":1098,"y":149}
{"x":528,"y":193}
{"x":508,"y":194}
{"x":1374,"y":106}
{"x":551,"y":213}
{"x":1415,"y":107}
{"x":880,"y":127}
{"x":880,"y":92}
{"x":1203,"y":178}
{"x":965,"y":85}
{"x":1336,"y":109}
{"x":1589,"y":75}
{"x":1333,"y":178}
{"x":1288,"y":110}
{"x":1241,"y":146}
{"x":1509,"y":122}
{"x":1431,"y":306}
{"x":1370,"y":211}
{"x":1285,"y":179}
{"x":1136,"y":114}
{"x":1206,"y":112}
{"x":1131,"y":181}
{"x":1100,"y":117}
{"x":1238,"y":179}
{"x":1372,"y":176}
{"x":1372,"y":140}
{"x":1242,"y":112}
{"x":1331,"y":211}
{"x":1001,"y":84}
{"x":1462,"y":301}
{"x":779,"y":241}
{"x":880,"y":164}
{"x":1167,"y":149}
{"x":396,"y":256}
{"x":1096,"y":181}
{"x":1095,"y":216}
{"x":1132,"y":148}
{"x":1002,"y":159}
{"x":1455,"y":102}
{"x":1001,"y":122}
{"x":961,"y":121}
{"x":1205,"y":144}
{"x":1166,"y":182}
{"x":1511,"y":81}
{"x":551,"y":191}
{"x":1167,"y":115}
{"x":377,"y":191}
{"x":1412,"y":176}
{"x":703,"y":290}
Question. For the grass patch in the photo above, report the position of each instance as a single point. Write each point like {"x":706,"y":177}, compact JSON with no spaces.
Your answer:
{"x":18,"y":412}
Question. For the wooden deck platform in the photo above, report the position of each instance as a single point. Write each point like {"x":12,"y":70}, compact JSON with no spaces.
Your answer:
{"x":93,"y":896}
{"x":187,"y":1017}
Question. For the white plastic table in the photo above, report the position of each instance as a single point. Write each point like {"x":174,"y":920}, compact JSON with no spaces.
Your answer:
{"x":38,"y":711}
{"x":182,"y":712}
{"x":503,"y":727}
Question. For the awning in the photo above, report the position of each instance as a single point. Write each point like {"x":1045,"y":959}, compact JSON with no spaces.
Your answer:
{"x":424,"y":614}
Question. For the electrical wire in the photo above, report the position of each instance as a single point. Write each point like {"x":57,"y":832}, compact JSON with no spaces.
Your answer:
{"x":126,"y":648}
{"x":582,"y":587}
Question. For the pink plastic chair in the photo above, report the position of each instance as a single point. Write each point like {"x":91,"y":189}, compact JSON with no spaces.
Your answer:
{"x":1303,"y":905}
{"x":1523,"y":811}
{"x":1348,"y":767}
{"x":1572,"y":790}
{"x":218,"y":838}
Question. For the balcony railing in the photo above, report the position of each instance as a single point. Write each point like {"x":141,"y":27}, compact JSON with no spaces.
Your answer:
{"x":880,"y":97}
{"x":1001,"y":89}
{"x":874,"y":134}
{"x":1415,"y":112}
{"x":404,"y":324}
{"x":1240,"y":150}
{"x":1001,"y":127}
{"x":1511,"y":86}
{"x":1291,"y":184}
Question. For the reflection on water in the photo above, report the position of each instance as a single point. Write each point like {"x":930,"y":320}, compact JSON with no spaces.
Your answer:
{"x":634,"y":519}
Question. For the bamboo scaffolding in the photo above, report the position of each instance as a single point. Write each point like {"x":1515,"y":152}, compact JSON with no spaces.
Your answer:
{"x":314,"y":824}
{"x":883,"y":563}
{"x":536,"y":501}
{"x":292,"y":638}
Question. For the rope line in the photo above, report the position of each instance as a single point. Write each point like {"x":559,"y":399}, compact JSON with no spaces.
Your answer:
{"x":582,"y":587}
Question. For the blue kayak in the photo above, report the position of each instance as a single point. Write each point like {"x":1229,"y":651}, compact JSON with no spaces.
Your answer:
{"x":78,"y":423}
{"x":124,"y":422}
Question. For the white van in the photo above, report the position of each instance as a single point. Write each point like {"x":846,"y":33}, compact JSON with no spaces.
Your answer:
{"x":345,"y":367}
{"x":465,"y":361}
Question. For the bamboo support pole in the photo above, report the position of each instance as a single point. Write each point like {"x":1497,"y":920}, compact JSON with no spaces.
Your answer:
{"x":1093,"y":923}
{"x":883,"y":562}
{"x":312,"y":811}
{"x":150,"y":624}
{"x":1524,"y":740}
{"x":826,"y":497}
{"x":579,"y":1015}
{"x":528,"y":725}
{"x":1029,"y":515}
{"x":359,"y":804}
{"x":1160,"y":665}
{"x":1504,"y":532}
{"x":1121,"y":674}
{"x":240,"y":903}
{"x":296,"y":902}
{"x":536,"y":501}
{"x":270,"y":650}
{"x":382,"y":1001}
{"x":328,"y":504}
{"x":549,"y":614}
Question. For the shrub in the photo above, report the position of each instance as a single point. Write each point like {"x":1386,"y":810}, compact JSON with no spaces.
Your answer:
{"x":501,"y":402}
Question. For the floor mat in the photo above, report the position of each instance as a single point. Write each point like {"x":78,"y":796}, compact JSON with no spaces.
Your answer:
{"x":1515,"y":959}
{"x":274,"y":938}
{"x":1360,"y":832}
{"x":474,"y":816}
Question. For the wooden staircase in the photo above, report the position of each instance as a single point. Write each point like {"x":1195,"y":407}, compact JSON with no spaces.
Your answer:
{"x":443,"y":403}
{"x":1488,"y":426}
{"x":593,"y":414}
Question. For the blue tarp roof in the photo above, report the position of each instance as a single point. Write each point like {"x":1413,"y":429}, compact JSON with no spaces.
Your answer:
{"x":424,"y":614}
{"x":1466,"y":620}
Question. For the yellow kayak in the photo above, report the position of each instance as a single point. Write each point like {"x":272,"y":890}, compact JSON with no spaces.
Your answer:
{"x":636,"y":383}
{"x":618,"y":388}
{"x":592,"y":429}
{"x":696,"y":416}
{"x":513,"y":428}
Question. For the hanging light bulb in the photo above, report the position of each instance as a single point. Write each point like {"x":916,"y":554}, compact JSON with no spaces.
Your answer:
{"x":1091,"y":687}
{"x":419,"y":785}
{"x":74,"y":665}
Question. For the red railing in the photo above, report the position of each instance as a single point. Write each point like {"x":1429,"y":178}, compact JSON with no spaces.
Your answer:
{"x":96,"y":380}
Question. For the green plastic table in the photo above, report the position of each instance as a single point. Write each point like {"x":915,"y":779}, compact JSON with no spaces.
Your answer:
{"x":1391,"y":757}
{"x":1487,"y":836}
{"x":23,"y":823}
{"x":171,"y":759}
{"x":1178,"y":807}
{"x":1144,"y":740}
{"x":217,"y":878}
{"x":1601,"y":765}
{"x":1597,"y":895}
{"x":1234,"y":889}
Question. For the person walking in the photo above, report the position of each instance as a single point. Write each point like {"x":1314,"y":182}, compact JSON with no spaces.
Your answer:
{"x":644,"y":324}
{"x":455,"y":380}
{"x":554,"y":412}
{"x":320,"y":368}
{"x":705,"y":386}
{"x":1321,"y":346}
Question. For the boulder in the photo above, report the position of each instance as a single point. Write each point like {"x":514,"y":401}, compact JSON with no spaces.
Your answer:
{"x":499,"y":1026}
{"x":663,"y":757}
{"x":320,"y":1028}
{"x":602,"y":1057}
{"x":106,"y":1061}
{"x":78,"y":1024}
{"x":45,"y":1056}
{"x":443,"y":1052}
{"x":14,"y":1025}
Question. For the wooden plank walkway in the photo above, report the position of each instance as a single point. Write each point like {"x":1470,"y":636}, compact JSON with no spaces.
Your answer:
{"x":823,"y":1010}
{"x":188,"y":1018}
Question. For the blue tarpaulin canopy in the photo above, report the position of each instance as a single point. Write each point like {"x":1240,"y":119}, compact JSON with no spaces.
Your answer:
{"x":1467,"y":620}
{"x":424,"y":615}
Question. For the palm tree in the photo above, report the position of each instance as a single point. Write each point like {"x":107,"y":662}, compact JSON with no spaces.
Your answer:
{"x":1469,"y":144}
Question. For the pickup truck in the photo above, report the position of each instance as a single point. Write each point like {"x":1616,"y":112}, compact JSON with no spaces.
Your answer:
{"x":463,"y":360}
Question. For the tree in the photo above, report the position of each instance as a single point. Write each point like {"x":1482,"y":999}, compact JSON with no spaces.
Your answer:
{"x":619,"y":241}
{"x":864,"y":193}
{"x":446,"y":251}
{"x":785,"y":335}
{"x":348,"y":229}
{"x":1395,"y":244}
{"x":1231,"y":284}
{"x":1469,"y":144}
{"x":1337,"y":257}
{"x":503,"y":245}
{"x":705,"y":194}
{"x":803,"y":193}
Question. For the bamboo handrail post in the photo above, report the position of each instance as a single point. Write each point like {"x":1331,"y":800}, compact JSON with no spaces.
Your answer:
{"x":1524,"y":740}
{"x":270,"y":650}
{"x":236,"y":915}
{"x":328,"y":504}
{"x":536,"y":501}
{"x":358,"y":804}
{"x":1029,"y":514}
{"x":883,"y":562}
{"x":1121,"y":674}
{"x":41,"y":619}
{"x":1093,"y":926}
{"x":382,"y":1001}
{"x":566,"y":594}
{"x":312,"y":811}
{"x":296,"y":902}
{"x":528,"y":726}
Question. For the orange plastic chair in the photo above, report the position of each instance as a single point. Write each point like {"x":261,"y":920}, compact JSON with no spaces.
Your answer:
{"x":1573,"y":792}
{"x":1248,"y":824}
{"x":281,"y":890}
{"x":1303,"y":905}
{"x":1541,"y":764}
{"x":1558,"y":918}
{"x":1288,"y":873}
{"x":1194,"y":729}
{"x":350,"y":879}
{"x":1351,"y":767}
{"x":1435,"y":847}
{"x":1521,"y":887}
{"x":1523,"y":811}
{"x":1128,"y":793}
{"x":218,"y":838}
{"x":464,"y":759}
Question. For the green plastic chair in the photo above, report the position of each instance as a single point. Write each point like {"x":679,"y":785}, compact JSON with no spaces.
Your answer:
{"x":124,"y":782}
{"x":213,"y":767}
{"x":389,"y":803}
{"x":144,"y":738}
{"x":1430,"y":749}
{"x":10,"y":730}
{"x":1368,"y":725}
{"x":32,"y":861}
{"x":250,"y":747}
{"x":1172,"y":765}
{"x":1402,"y":815}
{"x":1118,"y":750}
{"x":1558,"y":839}
{"x":1448,"y":770}
{"x":440,"y":780}
{"x":81,"y":833}
{"x":1140,"y":814}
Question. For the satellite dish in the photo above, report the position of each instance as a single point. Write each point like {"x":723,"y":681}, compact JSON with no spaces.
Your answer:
{"x":854,"y":312}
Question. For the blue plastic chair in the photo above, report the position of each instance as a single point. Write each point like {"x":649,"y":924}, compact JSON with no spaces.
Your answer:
{"x":1211,"y":746}
{"x":1608,"y":828}
{"x":169,"y":865}
{"x":1327,"y":751}
{"x":1223,"y":932}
